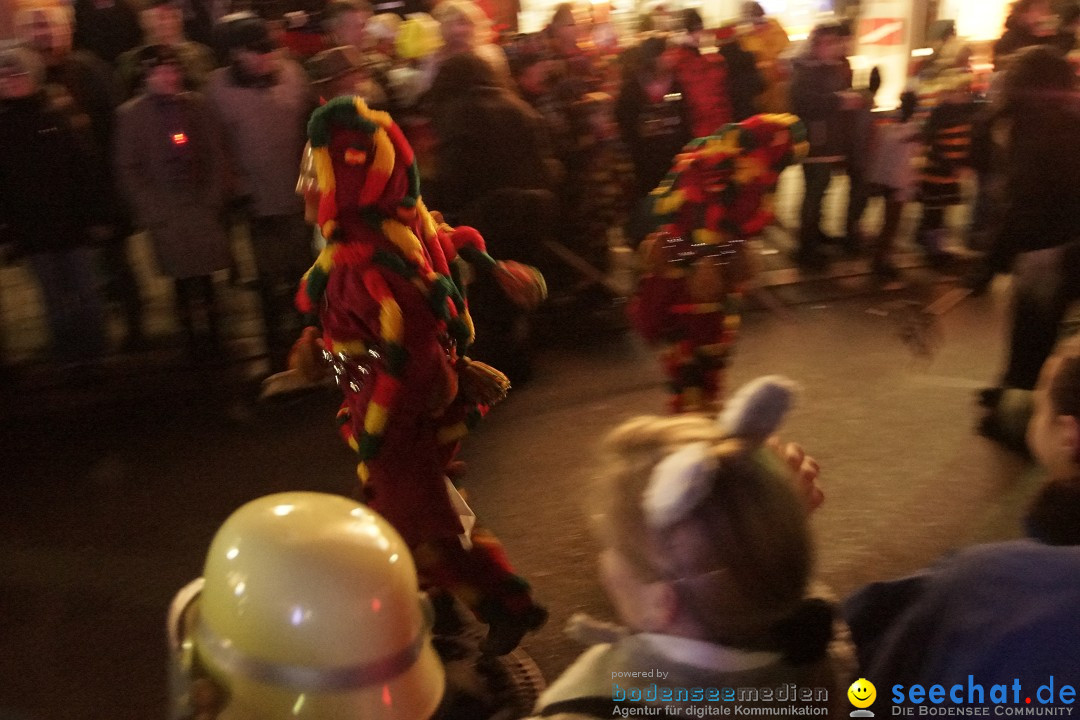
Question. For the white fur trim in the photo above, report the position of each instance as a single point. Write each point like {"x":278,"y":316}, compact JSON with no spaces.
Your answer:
{"x":678,"y":483}
{"x":758,"y":407}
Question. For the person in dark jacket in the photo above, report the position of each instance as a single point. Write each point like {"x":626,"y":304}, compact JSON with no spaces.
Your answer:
{"x":1039,"y":236}
{"x":496,"y":172}
{"x":1068,"y":23}
{"x":820,"y":93}
{"x":999,"y":611}
{"x":86,"y":83}
{"x":488,"y":138}
{"x":947,"y":134}
{"x":107,"y":28}
{"x":262,"y":100}
{"x":163,"y":24}
{"x":1030,"y":23}
{"x":652,"y":115}
{"x":744,"y":79}
{"x":47,"y":170}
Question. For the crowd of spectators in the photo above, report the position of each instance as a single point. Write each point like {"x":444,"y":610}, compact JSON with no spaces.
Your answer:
{"x":549,"y":138}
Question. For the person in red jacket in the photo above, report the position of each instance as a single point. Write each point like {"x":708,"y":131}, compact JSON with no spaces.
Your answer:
{"x":703,"y":79}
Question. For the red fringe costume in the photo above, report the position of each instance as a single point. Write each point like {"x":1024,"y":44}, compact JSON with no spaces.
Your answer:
{"x":696,"y":266}
{"x":394,"y":329}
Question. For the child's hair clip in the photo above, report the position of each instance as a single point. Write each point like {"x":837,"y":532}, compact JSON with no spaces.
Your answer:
{"x":678,"y":483}
{"x":756,"y":409}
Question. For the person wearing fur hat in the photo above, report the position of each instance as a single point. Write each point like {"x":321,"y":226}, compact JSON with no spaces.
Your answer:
{"x":395,"y":329}
{"x":170,"y":161}
{"x":696,"y":265}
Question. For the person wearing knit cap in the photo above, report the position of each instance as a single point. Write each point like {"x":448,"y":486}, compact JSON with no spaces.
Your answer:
{"x":170,"y":162}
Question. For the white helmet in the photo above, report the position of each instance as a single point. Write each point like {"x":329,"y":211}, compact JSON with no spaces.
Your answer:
{"x":310,"y":609}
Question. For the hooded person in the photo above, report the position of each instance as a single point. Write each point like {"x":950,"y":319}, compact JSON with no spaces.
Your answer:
{"x":696,"y":266}
{"x":395,"y":329}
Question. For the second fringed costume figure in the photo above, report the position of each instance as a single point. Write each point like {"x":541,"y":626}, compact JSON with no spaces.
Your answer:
{"x":394,"y":331}
{"x":696,"y":265}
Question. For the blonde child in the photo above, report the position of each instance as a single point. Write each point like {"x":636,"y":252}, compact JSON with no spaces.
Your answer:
{"x":707,"y":561}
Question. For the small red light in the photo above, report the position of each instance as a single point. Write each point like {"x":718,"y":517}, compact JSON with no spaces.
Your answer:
{"x":179,"y":139}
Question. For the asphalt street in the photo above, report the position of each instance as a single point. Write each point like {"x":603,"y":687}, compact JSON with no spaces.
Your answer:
{"x":115,"y":486}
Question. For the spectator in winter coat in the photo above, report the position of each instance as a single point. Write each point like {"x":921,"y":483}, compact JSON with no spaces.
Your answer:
{"x":83,"y":81}
{"x":262,"y":101}
{"x":652,"y":114}
{"x":106,"y":28}
{"x":170,"y":162}
{"x":1038,"y":238}
{"x":766,"y":39}
{"x":820,"y":92}
{"x":744,"y":80}
{"x":488,"y":139}
{"x":48,"y":168}
{"x":703,"y":79}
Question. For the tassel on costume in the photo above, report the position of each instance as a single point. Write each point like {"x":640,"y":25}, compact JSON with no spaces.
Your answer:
{"x":481,"y":383}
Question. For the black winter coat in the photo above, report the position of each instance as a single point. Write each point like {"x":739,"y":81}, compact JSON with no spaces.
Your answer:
{"x":814,"y":98}
{"x":48,"y":169}
{"x":1042,"y":181}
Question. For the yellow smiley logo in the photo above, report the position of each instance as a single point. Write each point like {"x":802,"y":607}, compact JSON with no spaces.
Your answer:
{"x":862,"y":693}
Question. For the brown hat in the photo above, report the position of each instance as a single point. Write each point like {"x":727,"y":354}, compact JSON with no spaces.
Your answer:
{"x":333,"y":63}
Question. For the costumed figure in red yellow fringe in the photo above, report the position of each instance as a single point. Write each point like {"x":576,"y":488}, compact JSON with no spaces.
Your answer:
{"x":696,"y":265}
{"x":394,"y":330}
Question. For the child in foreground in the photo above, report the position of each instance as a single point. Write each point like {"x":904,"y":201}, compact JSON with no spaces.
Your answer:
{"x":707,"y":561}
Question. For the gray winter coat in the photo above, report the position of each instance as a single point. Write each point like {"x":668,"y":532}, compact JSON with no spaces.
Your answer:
{"x":169,"y":160}
{"x":265,"y":131}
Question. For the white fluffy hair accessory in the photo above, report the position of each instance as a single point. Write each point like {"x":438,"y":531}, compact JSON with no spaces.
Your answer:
{"x":683,"y":479}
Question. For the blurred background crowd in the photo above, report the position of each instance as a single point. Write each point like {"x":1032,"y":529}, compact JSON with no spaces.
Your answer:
{"x":186,"y":119}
